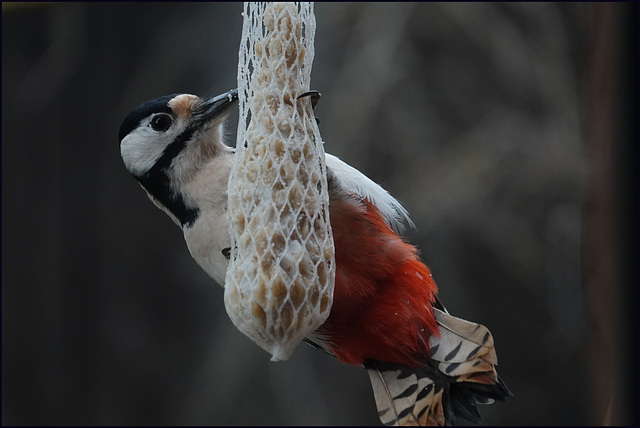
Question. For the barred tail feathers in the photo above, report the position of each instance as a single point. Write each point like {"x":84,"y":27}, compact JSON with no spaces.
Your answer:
{"x":459,"y":374}
{"x":403,"y":397}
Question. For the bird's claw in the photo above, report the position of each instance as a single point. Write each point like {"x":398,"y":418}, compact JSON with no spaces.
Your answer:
{"x":226,"y":252}
{"x":315,"y":97}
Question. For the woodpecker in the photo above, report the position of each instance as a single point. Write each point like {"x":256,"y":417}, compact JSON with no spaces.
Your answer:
{"x":426,"y":366}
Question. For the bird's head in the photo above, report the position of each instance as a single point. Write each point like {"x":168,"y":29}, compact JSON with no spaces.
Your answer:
{"x":157,"y":132}
{"x":164,"y":142}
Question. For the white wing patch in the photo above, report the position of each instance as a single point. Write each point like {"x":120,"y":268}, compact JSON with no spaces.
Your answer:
{"x":356,"y":182}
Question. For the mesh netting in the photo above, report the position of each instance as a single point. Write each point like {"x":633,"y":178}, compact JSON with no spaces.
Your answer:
{"x":279,"y":285}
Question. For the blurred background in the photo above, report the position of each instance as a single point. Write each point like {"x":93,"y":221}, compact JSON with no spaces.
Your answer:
{"x":508,"y":131}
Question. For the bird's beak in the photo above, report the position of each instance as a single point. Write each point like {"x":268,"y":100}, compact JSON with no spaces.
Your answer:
{"x":215,"y":107}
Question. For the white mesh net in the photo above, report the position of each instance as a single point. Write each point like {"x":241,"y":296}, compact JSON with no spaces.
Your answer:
{"x":279,"y":284}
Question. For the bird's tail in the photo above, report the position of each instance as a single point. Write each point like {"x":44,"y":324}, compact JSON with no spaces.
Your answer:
{"x":458,"y":374}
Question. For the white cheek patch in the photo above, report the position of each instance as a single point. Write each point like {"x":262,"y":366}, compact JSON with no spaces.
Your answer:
{"x":142,"y":148}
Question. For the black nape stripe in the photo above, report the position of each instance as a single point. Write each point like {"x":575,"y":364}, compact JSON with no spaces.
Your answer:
{"x":157,"y":182}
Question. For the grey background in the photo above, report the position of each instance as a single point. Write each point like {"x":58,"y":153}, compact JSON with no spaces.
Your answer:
{"x":488,"y":121}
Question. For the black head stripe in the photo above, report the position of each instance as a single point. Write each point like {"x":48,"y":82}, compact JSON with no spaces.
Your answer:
{"x":131,"y":122}
{"x":157,"y":181}
{"x":173,"y":150}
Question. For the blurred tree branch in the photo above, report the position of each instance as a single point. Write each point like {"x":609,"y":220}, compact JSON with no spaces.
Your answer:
{"x":609,"y":216}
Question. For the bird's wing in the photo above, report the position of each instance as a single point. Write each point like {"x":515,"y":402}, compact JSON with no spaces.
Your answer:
{"x":353,"y":181}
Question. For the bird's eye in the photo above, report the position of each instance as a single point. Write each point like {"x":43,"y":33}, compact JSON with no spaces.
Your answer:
{"x":161,"y":122}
